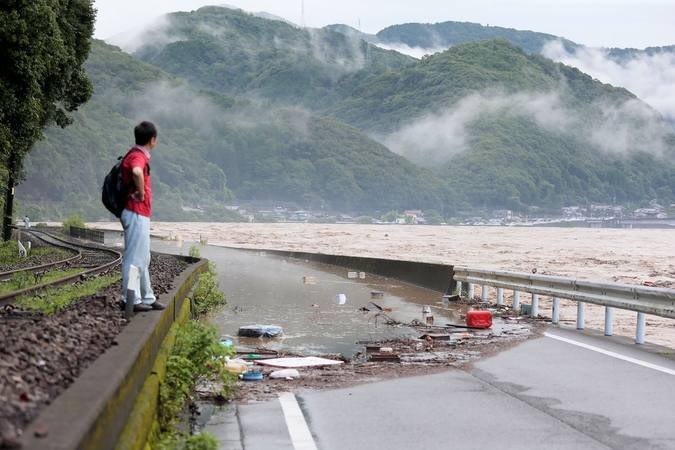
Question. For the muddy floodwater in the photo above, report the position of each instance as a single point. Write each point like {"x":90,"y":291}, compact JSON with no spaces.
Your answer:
{"x":298,"y":295}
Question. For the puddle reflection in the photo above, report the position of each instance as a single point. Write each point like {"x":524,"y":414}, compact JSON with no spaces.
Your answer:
{"x":298,"y":295}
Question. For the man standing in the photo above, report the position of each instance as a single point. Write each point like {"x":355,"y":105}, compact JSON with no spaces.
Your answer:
{"x":136,"y":217}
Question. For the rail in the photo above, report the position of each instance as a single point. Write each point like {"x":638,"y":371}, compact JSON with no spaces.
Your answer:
{"x":641,"y":299}
{"x":116,"y":258}
{"x":5,"y":276}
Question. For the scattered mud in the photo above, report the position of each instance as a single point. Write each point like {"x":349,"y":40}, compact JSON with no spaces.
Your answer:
{"x":417,"y":357}
{"x":41,"y":356}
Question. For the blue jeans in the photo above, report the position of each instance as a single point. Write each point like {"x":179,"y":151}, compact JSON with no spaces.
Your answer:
{"x":137,"y":253}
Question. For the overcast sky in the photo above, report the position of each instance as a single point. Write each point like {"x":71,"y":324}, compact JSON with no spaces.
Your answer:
{"x":598,"y":23}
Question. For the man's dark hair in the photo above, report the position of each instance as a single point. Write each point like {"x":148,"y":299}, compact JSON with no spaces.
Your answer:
{"x":144,"y":132}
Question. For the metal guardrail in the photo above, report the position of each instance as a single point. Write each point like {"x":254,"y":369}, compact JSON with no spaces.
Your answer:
{"x":641,"y":299}
{"x":88,"y":233}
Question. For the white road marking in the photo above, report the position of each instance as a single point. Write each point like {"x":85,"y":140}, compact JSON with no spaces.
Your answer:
{"x":614,"y":355}
{"x":295,"y":421}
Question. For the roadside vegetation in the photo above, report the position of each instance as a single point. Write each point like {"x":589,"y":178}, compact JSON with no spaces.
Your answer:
{"x":72,"y":221}
{"x":53,"y":300}
{"x":25,"y":278}
{"x":9,"y":253}
{"x":198,"y":358}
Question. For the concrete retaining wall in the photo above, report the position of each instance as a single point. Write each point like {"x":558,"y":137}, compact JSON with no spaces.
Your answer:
{"x":437,"y":277}
{"x":93,"y":412}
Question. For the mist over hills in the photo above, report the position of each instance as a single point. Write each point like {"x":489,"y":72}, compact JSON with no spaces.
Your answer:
{"x":649,"y":73}
{"x":245,"y":56}
{"x":259,"y":109}
{"x":508,"y":127}
{"x":432,"y":38}
{"x":212,"y":148}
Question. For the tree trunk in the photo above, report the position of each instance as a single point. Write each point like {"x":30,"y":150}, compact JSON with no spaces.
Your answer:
{"x":9,"y":201}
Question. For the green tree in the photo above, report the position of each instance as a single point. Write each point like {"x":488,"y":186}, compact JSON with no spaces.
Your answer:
{"x":433,"y":217}
{"x":43,"y":45}
{"x":391,"y":216}
{"x":261,"y":218}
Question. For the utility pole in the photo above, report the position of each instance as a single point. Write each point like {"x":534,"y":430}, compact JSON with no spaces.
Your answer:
{"x":9,"y":201}
{"x":302,"y":23}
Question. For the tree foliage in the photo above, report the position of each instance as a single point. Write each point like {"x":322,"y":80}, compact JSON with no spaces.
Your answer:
{"x":212,"y":148}
{"x":241,"y":55}
{"x":43,"y":45}
{"x":448,"y":34}
{"x":551,"y":146}
{"x":231,"y":127}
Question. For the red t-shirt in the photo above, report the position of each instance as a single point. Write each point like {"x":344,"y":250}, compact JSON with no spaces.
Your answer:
{"x":138,"y":159}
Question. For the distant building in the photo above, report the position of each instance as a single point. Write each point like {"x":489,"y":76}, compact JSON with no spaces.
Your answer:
{"x":474,"y":219}
{"x":572,"y":211}
{"x":414,"y":213}
{"x":344,"y":218}
{"x":600,"y":207}
{"x":649,"y":213}
{"x":654,"y":204}
{"x":300,"y":215}
{"x":505,"y":214}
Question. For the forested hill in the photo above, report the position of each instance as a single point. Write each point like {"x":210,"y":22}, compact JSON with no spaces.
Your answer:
{"x":440,"y":81}
{"x":441,"y":36}
{"x":245,"y":56}
{"x":494,"y":125}
{"x":211,"y":148}
{"x":517,"y":128}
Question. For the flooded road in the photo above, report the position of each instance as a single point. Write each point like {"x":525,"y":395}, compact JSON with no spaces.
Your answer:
{"x":298,"y":296}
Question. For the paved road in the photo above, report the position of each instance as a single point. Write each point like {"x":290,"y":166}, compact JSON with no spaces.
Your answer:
{"x":567,"y":390}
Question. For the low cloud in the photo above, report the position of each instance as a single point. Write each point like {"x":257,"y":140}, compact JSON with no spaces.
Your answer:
{"x":415,"y":52}
{"x":651,"y":78}
{"x":175,"y":105}
{"x":157,"y":35}
{"x":629,"y":127}
{"x":178,"y":107}
{"x":614,"y":128}
{"x":434,"y":139}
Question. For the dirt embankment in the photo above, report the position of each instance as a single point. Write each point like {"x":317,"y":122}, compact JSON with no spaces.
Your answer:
{"x":41,"y":356}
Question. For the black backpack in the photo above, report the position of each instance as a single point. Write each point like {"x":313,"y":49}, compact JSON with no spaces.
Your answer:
{"x":115,"y":191}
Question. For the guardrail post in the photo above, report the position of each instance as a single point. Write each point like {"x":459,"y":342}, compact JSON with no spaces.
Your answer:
{"x":641,"y":325}
{"x":581,"y":309}
{"x":556,"y":311}
{"x":483,"y":294}
{"x":609,"y":321}
{"x":516,"y":300}
{"x":470,"y":291}
{"x":459,"y":288}
{"x":500,"y":296}
{"x":535,"y":305}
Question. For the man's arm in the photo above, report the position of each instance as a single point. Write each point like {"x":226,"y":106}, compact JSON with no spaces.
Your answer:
{"x":139,"y":182}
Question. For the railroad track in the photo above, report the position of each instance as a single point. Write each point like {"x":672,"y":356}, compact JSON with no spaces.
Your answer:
{"x":92,"y":260}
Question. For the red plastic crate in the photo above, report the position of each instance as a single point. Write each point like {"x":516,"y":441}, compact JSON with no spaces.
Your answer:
{"x":479,"y":319}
